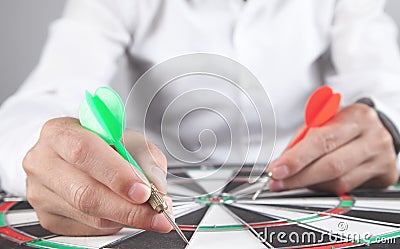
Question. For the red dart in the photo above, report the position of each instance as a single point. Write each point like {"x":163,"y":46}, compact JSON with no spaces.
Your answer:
{"x":322,"y":105}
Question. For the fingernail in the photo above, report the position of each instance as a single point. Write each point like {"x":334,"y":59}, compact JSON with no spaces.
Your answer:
{"x":280,"y":172}
{"x":275,"y":186}
{"x":159,"y":178}
{"x":139,"y":193}
{"x":160,"y":223}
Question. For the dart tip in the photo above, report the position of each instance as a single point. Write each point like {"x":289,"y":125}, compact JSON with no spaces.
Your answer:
{"x":265,"y":181}
{"x":256,"y":195}
{"x":175,"y":226}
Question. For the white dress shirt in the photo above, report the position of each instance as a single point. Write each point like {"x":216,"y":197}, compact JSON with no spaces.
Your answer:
{"x":291,"y":46}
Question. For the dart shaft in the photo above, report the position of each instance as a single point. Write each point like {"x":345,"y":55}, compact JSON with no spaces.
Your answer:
{"x":175,"y":226}
{"x":298,"y":138}
{"x":125,"y":154}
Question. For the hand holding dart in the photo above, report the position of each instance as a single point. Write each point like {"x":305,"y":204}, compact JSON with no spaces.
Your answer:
{"x":322,"y":106}
{"x":104,"y":114}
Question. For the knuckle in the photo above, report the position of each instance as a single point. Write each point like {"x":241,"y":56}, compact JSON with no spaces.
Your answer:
{"x":50,"y":125}
{"x":131,"y":217}
{"x":116,"y":180}
{"x":47,"y":223}
{"x":336,"y":166}
{"x":366,"y":150}
{"x":113,"y":176}
{"x":78,"y":152}
{"x":33,"y":197}
{"x":83,"y":198}
{"x":29,"y":162}
{"x":295,"y":162}
{"x":365,"y":113}
{"x":386,"y":140}
{"x":325,"y":139}
{"x":54,"y":127}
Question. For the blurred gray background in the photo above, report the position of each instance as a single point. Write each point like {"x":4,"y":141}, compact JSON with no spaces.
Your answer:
{"x":23,"y":30}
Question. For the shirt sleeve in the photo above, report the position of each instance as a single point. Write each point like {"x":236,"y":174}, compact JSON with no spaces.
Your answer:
{"x":365,"y":55}
{"x":81,"y":52}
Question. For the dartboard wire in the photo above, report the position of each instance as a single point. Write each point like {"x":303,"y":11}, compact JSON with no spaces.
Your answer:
{"x":377,"y":198}
{"x":366,"y":208}
{"x":31,"y":223}
{"x":12,"y":198}
{"x":380,"y":210}
{"x":253,"y":231}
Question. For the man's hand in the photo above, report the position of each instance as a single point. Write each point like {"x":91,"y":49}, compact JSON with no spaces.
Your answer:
{"x":352,"y":150}
{"x":79,"y":185}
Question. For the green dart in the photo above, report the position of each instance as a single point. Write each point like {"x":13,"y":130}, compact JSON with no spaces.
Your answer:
{"x":104,"y":114}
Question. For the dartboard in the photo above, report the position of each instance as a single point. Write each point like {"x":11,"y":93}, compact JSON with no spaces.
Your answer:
{"x":214,"y":208}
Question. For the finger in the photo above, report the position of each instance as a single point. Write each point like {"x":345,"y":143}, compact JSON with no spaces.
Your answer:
{"x":296,"y":134}
{"x":69,"y":226}
{"x":90,"y":154}
{"x":318,"y":142}
{"x":46,"y":201}
{"x":366,"y":175}
{"x":95,"y":199}
{"x":169,"y":210}
{"x":331,"y":166}
{"x":149,"y":157}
